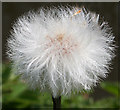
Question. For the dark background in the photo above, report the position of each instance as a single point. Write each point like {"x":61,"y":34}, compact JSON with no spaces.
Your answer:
{"x":108,"y":12}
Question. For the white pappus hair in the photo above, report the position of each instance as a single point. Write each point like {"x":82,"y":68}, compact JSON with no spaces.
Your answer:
{"x":61,"y":50}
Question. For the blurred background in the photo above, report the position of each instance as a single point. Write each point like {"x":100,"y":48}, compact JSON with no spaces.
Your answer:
{"x":15,"y":94}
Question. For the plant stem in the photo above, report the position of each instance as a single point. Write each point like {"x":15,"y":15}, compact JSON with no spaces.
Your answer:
{"x":56,"y":103}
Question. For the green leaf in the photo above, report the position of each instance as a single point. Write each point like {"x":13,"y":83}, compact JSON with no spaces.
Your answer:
{"x":12,"y":90}
{"x":6,"y":70}
{"x":110,"y":102}
{"x":111,"y":87}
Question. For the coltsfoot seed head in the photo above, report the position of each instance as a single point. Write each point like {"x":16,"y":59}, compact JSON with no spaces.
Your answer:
{"x":61,"y":50}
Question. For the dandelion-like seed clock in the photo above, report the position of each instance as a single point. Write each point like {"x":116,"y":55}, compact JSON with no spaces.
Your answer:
{"x":61,"y":50}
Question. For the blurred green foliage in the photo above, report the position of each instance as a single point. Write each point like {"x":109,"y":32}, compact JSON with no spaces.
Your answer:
{"x":16,"y":94}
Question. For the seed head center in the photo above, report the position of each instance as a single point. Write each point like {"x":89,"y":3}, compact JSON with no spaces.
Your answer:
{"x":60,"y":37}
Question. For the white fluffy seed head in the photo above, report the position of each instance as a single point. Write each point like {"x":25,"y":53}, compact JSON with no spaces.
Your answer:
{"x":61,"y":50}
